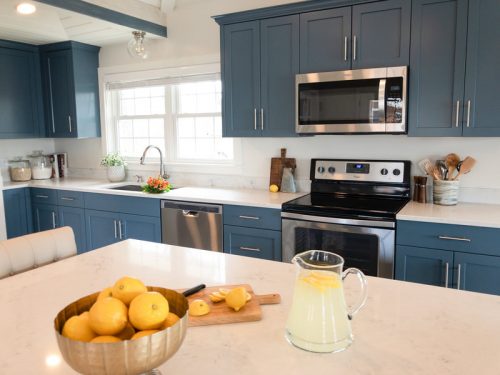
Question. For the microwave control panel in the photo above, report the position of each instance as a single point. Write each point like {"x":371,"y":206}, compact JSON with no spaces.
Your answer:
{"x":394,"y":100}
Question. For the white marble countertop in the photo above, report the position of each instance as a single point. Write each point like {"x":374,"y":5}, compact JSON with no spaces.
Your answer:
{"x":244,"y":197}
{"x":404,"y":328}
{"x":475,"y":214}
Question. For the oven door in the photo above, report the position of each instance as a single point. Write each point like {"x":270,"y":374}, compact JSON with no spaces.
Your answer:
{"x":367,"y":245}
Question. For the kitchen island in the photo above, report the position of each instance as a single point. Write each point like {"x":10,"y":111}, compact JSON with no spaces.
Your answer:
{"x":404,"y":328}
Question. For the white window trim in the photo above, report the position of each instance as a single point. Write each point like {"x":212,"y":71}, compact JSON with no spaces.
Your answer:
{"x":122,"y":74}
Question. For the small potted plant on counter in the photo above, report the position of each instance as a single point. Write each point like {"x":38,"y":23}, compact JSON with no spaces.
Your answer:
{"x":115,"y":167}
{"x":157,"y":185}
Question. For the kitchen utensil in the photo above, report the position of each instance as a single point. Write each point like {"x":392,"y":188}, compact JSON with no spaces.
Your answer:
{"x":443,"y":170}
{"x":127,"y":357}
{"x":465,"y":166}
{"x":445,"y":193}
{"x":420,"y":189}
{"x":194,"y":290}
{"x":426,"y":166}
{"x":288,"y":182}
{"x":452,"y":161}
{"x":319,"y":320}
{"x":221,"y":313}
{"x":277,"y":165}
{"x":436,"y":173}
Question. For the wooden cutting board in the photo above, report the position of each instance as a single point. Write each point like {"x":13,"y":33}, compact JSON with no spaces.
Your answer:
{"x":277,"y":165}
{"x":221,"y":313}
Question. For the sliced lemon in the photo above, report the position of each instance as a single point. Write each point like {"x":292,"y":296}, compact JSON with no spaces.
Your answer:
{"x":198,"y":307}
{"x":214,"y":298}
{"x":223,"y":291}
{"x":249,"y":296}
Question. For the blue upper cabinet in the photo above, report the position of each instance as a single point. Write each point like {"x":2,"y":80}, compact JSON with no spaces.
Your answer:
{"x":483,"y":69}
{"x":325,"y":39}
{"x":21,"y":107}
{"x":71,"y":91}
{"x":438,"y":49}
{"x":381,"y":34}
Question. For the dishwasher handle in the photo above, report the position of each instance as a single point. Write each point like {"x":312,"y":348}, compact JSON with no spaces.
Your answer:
{"x":192,"y":209}
{"x":189,"y":213}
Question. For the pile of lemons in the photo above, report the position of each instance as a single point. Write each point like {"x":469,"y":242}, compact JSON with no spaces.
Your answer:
{"x":125,"y":311}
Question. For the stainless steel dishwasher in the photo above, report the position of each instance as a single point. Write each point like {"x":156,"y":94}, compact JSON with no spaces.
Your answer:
{"x":192,"y":224}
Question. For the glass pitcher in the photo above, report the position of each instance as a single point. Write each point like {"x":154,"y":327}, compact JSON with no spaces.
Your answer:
{"x":319,"y":320}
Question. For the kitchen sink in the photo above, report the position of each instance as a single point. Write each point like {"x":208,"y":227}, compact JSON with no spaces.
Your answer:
{"x":129,"y":188}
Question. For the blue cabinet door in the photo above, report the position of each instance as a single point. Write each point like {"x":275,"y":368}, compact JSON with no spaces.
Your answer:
{"x":21,"y":109}
{"x":325,"y":39}
{"x":75,"y":218}
{"x":280,"y":61}
{"x":140,"y":227}
{"x":438,"y":49}
{"x":18,"y":215}
{"x":483,"y":73}
{"x":44,"y":216}
{"x":240,"y":47}
{"x":477,"y":273}
{"x":102,"y":228}
{"x":256,"y":243}
{"x":426,"y":266}
{"x":381,"y":34}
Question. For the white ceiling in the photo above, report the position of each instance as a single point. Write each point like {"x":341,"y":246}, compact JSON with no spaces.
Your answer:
{"x":50,"y":24}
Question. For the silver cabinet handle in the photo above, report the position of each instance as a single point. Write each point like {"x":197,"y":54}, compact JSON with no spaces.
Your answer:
{"x":468,"y":113}
{"x":454,"y":238}
{"x":116,"y":230}
{"x":255,"y":118}
{"x":346,"y":39}
{"x":120,"y":234}
{"x":262,"y":119}
{"x":53,"y":220}
{"x":67,"y":199}
{"x":457,"y":114}
{"x":446,"y":274}
{"x":354,"y":47}
{"x":459,"y":272}
{"x":249,"y":217}
{"x":42,"y":196}
{"x":256,"y":249}
{"x":51,"y":97}
{"x":69,"y":124}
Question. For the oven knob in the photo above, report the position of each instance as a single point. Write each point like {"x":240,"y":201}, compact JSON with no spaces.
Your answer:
{"x":321,"y":169}
{"x":331,"y":170}
{"x":396,"y":172}
{"x":384,"y":171}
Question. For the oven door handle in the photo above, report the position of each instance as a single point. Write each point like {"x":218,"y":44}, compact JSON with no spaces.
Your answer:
{"x":337,"y":220}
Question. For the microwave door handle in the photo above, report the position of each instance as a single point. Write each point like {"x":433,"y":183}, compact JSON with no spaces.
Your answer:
{"x":381,"y":100}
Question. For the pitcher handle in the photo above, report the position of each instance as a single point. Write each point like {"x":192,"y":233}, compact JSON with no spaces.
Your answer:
{"x":362,"y":281}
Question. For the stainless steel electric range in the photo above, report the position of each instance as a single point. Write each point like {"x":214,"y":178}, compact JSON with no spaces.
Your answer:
{"x":351,"y":211}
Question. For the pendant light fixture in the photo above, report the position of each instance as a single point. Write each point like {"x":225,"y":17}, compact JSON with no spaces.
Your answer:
{"x":138,"y":46}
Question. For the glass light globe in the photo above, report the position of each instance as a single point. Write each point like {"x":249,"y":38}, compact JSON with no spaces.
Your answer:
{"x":138,"y":46}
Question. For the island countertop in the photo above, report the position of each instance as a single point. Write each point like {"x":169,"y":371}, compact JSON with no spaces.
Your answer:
{"x":404,"y":328}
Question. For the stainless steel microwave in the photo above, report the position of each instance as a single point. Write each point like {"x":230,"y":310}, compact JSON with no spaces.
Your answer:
{"x":352,"y":101}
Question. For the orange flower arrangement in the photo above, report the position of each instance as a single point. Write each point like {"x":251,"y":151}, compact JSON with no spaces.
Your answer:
{"x":157,"y":185}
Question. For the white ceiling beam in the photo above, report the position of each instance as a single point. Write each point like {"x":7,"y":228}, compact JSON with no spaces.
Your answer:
{"x":133,"y":8}
{"x":167,"y":6}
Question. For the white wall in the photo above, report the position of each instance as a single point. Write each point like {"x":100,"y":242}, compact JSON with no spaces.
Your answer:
{"x":194,"y":38}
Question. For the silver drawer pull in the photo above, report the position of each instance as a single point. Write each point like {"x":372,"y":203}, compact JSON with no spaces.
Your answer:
{"x":249,"y":248}
{"x":249,"y":217}
{"x":42,"y":196}
{"x":67,"y":199}
{"x":454,"y":238}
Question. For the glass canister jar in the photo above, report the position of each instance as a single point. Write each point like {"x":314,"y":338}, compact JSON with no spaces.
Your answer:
{"x":41,"y":167}
{"x":19,"y":170}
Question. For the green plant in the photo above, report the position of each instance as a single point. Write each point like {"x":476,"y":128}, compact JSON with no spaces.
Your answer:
{"x":113,"y":160}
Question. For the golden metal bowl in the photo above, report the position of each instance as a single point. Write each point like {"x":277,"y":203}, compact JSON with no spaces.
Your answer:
{"x":126,"y":357}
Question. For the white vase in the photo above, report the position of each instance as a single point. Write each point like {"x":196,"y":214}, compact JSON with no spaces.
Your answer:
{"x":116,"y":173}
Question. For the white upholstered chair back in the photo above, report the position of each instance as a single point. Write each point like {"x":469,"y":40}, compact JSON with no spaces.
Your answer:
{"x":33,"y":250}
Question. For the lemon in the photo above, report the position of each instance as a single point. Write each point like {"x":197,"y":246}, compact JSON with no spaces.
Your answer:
{"x":237,"y":298}
{"x":148,"y":311}
{"x":78,"y":328}
{"x":147,"y":332}
{"x":127,"y":288}
{"x":171,"y":320}
{"x":198,"y":307}
{"x":274,"y":188}
{"x":127,"y":332}
{"x":104,"y":339}
{"x":107,"y":292}
{"x":108,"y":316}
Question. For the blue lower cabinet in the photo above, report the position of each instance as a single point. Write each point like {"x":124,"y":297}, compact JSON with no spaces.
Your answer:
{"x":477,"y":273}
{"x":102,"y":228}
{"x":44,"y":216}
{"x":425,"y":266}
{"x":256,"y":243}
{"x":75,"y":218}
{"x":140,"y":227}
{"x":18,"y":215}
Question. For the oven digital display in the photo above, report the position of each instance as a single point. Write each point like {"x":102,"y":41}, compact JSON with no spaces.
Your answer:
{"x":363,"y":168}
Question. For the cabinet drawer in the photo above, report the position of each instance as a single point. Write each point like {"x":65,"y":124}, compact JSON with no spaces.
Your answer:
{"x":463,"y":238}
{"x":122,"y":203}
{"x":254,"y":217}
{"x":48,"y":196}
{"x":70,"y":198}
{"x":256,"y":243}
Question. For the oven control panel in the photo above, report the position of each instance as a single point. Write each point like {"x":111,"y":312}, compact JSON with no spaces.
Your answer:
{"x":359,"y":170}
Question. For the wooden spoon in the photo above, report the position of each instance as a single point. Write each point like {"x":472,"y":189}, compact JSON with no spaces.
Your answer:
{"x":451,"y":161}
{"x":466,"y":166}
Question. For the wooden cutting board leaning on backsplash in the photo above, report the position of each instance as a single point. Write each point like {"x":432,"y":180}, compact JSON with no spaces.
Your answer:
{"x":221,"y":313}
{"x":277,"y":165}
